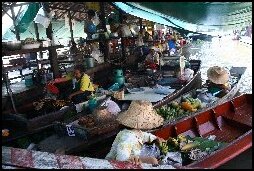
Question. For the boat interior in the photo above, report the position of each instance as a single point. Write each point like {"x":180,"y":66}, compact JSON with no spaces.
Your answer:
{"x":228,"y":122}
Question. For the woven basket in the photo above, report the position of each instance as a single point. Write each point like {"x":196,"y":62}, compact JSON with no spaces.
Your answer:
{"x":102,"y":115}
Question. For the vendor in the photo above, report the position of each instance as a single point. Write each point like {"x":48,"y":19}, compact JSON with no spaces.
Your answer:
{"x":172,"y":46}
{"x":147,"y":37}
{"x":75,"y":53}
{"x":187,"y":74}
{"x":90,"y":27}
{"x":218,"y":81}
{"x":114,"y":26}
{"x":153,"y":56}
{"x":83,"y":87}
{"x":164,"y":46}
{"x":128,"y":142}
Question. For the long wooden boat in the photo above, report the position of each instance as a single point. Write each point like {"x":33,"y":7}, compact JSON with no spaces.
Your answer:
{"x":20,"y":125}
{"x":180,"y":87}
{"x":26,"y":121}
{"x":235,"y":79}
{"x":230,"y":122}
{"x":195,"y":82}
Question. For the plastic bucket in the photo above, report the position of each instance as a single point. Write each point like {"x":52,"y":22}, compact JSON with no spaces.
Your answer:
{"x":29,"y":81}
{"x":89,"y":62}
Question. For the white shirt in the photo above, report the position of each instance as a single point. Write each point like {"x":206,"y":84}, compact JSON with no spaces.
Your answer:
{"x":128,"y":143}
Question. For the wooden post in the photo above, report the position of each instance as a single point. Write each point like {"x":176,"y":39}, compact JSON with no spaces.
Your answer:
{"x":52,"y":52}
{"x":103,"y":17}
{"x":37,"y":38}
{"x":70,"y":24}
{"x":122,"y":41}
{"x":140,"y":23}
{"x":14,"y":23}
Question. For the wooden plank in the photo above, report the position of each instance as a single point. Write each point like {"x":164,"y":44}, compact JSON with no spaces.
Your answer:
{"x":15,"y":5}
{"x":18,"y":12}
{"x":140,"y":24}
{"x":70,"y":24}
{"x":24,"y":51}
{"x":7,"y":13}
{"x":103,"y":16}
{"x":65,"y":9}
{"x":52,"y":52}
{"x":14,"y":23}
{"x":122,"y":41}
{"x":37,"y":38}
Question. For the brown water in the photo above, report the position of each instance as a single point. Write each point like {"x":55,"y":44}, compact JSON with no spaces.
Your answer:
{"x":225,"y":53}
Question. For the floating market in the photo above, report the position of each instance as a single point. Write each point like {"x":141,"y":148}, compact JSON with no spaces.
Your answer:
{"x":126,"y":85}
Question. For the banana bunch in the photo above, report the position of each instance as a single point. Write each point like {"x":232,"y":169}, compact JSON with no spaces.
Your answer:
{"x":164,"y":148}
{"x":181,"y":138}
{"x":190,"y":146}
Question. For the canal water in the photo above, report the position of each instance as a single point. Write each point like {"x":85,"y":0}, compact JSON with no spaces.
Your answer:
{"x":226,"y":53}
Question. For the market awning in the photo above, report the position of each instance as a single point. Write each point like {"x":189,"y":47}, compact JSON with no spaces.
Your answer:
{"x":151,"y":15}
{"x":192,"y":16}
{"x":204,"y":13}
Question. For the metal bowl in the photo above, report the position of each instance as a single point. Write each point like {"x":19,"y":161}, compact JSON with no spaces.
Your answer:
{"x":150,"y":71}
{"x":13,"y":45}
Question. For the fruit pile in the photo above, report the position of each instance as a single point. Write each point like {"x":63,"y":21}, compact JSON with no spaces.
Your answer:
{"x":175,"y":110}
{"x":190,"y":148}
{"x":86,"y":121}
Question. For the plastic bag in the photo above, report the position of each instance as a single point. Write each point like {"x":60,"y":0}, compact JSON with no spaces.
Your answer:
{"x":163,"y":90}
{"x":42,"y":18}
{"x":150,"y":151}
{"x":172,"y":158}
{"x":206,"y":97}
{"x":112,"y":106}
{"x":187,"y":75}
{"x":96,"y":20}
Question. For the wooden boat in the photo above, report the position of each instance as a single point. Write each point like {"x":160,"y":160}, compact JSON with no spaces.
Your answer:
{"x":230,"y":122}
{"x":180,"y":87}
{"x":195,"y":82}
{"x":26,"y":121}
{"x":236,"y":75}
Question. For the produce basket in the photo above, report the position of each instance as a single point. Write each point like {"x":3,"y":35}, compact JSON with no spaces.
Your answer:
{"x":85,"y":127}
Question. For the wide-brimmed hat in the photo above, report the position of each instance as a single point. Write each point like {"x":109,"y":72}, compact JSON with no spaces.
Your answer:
{"x":217,"y":75}
{"x":140,"y":115}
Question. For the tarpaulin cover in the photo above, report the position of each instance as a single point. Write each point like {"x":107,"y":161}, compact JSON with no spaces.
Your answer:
{"x":28,"y":17}
{"x":191,"y":15}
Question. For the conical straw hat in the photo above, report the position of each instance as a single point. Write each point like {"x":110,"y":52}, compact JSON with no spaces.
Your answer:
{"x":140,"y":115}
{"x":217,"y":75}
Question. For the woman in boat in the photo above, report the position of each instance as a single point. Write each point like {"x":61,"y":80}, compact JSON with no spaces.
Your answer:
{"x":83,"y":87}
{"x":128,"y":142}
{"x":153,"y":57}
{"x":218,"y":81}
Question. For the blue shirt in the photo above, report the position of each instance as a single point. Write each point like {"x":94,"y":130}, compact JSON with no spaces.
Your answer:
{"x":171,"y":44}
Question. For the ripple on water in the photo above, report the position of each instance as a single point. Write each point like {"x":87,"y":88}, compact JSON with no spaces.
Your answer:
{"x":229,"y":53}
